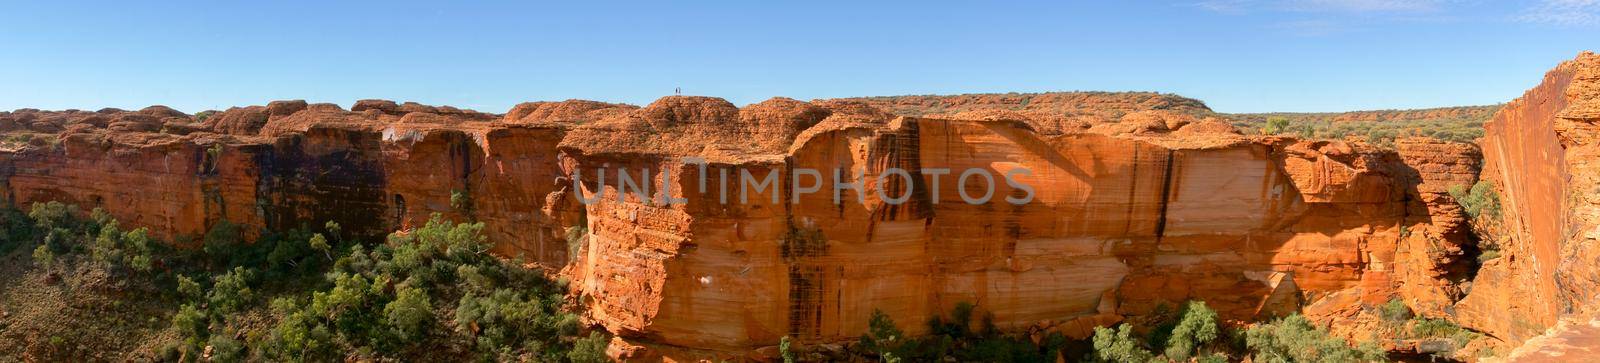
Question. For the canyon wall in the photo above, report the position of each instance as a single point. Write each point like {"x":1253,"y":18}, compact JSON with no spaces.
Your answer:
{"x":1154,"y":208}
{"x":291,"y":165}
{"x":1117,"y":224}
{"x":1540,"y":151}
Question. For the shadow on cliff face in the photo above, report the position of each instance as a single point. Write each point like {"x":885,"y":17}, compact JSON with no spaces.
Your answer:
{"x":326,"y":174}
{"x":1431,"y":170}
{"x":1220,"y":216}
{"x":1458,"y":248}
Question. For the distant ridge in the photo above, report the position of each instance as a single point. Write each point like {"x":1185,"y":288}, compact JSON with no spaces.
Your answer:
{"x":1457,"y":113}
{"x":1107,"y":105}
{"x":1113,"y":105}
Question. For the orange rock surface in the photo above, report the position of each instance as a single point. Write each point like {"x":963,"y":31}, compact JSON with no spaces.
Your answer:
{"x":1119,"y":224}
{"x":1541,"y":153}
{"x":389,"y":166}
{"x":1155,"y":207}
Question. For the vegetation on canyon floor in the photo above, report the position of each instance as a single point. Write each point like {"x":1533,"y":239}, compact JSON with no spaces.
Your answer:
{"x":1190,"y":333}
{"x":301,"y":295}
{"x":84,"y":288}
{"x":955,"y":338}
{"x":305,"y":295}
{"x":96,"y":292}
{"x":1401,"y":323}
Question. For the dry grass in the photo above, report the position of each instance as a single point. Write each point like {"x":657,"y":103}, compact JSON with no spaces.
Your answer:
{"x":78,"y":313}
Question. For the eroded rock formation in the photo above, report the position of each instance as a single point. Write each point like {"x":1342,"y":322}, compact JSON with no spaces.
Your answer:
{"x":1122,"y":220}
{"x":382,"y":167}
{"x":1541,"y":152}
{"x":1149,"y":204}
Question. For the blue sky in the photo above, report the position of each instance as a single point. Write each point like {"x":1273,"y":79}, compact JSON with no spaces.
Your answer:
{"x":1237,"y":55}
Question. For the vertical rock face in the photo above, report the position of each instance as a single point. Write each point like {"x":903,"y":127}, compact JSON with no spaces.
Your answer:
{"x":1113,"y":226}
{"x":323,"y":174}
{"x":1540,"y":151}
{"x":694,"y":227}
{"x":170,"y":184}
{"x":290,"y":164}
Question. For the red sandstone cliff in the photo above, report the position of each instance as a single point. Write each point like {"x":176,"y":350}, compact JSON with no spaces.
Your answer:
{"x":1157,"y":206}
{"x":376,"y":168}
{"x":1255,"y":226}
{"x":1540,"y":151}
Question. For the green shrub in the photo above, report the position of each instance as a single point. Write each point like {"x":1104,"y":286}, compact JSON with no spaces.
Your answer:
{"x":63,"y":231}
{"x":785,"y":351}
{"x":299,"y":335}
{"x":473,"y":280}
{"x":202,"y":116}
{"x":320,"y":244}
{"x":590,"y":350}
{"x":1295,"y":339}
{"x":333,"y":229}
{"x":54,"y":215}
{"x":884,"y":338}
{"x":960,"y":324}
{"x":1479,"y":200}
{"x":226,"y":349}
{"x":1275,"y":125}
{"x":1488,"y":252}
{"x":18,"y":229}
{"x":189,"y":288}
{"x":223,"y":243}
{"x":1466,"y":125}
{"x":505,"y":318}
{"x":1395,"y":311}
{"x":1119,"y":345}
{"x":954,"y":339}
{"x":1482,"y":204}
{"x":118,"y":250}
{"x":192,"y":324}
{"x":409,"y":313}
{"x":461,"y":200}
{"x":436,"y":247}
{"x":575,"y":236}
{"x":1442,"y":329}
{"x":1197,"y":327}
{"x":231,"y":291}
{"x":331,"y":298}
{"x":43,"y":257}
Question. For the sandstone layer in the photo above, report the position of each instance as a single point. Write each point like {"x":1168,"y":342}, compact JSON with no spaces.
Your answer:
{"x":1153,"y":206}
{"x":1541,"y":152}
{"x":1127,"y":216}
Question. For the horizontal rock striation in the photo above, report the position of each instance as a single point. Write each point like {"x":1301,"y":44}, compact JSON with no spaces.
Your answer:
{"x":1256,"y":226}
{"x":1155,"y":208}
{"x":381,"y":167}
